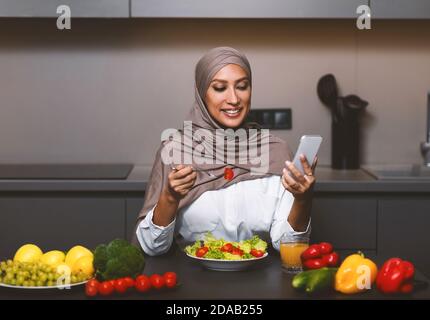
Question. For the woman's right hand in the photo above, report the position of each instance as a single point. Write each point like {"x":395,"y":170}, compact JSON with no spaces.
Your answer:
{"x":180,"y":181}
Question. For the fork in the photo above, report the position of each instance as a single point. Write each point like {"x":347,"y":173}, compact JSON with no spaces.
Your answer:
{"x":198,"y":170}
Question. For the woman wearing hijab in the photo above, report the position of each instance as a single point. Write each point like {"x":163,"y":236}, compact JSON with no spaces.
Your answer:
{"x":217,"y":193}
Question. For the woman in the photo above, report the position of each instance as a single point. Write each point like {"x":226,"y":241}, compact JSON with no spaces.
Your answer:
{"x":190,"y":200}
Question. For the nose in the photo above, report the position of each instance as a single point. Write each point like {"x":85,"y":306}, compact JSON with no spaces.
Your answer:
{"x":232,"y":97}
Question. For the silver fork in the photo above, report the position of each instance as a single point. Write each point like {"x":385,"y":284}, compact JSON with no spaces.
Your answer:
{"x":198,"y":170}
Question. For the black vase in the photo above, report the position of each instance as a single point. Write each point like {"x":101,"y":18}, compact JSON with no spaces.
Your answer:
{"x":345,"y":140}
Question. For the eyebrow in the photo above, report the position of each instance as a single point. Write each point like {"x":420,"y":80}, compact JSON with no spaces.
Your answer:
{"x":238,"y":80}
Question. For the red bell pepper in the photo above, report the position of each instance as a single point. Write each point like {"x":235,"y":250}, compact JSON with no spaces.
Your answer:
{"x":319,"y":256}
{"x":395,"y":276}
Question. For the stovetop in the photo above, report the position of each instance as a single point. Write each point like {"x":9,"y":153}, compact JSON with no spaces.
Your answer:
{"x":65,"y":171}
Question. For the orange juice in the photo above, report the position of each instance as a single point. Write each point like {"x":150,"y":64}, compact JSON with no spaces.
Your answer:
{"x":290,"y":255}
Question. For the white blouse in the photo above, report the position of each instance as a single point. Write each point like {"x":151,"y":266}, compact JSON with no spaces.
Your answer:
{"x":234,"y":213}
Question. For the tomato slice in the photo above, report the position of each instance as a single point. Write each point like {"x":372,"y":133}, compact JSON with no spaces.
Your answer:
{"x":257,"y":253}
{"x":237,"y":251}
{"x":202,"y":251}
{"x":228,"y":247}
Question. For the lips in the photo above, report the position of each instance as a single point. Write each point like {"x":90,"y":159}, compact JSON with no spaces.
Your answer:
{"x":232,"y":113}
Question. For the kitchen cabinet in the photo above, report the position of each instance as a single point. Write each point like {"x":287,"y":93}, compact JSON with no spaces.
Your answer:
{"x":55,"y":221}
{"x":133,"y":206}
{"x":400,"y":9}
{"x":79,"y":8}
{"x":403,"y":229}
{"x":348,"y":222}
{"x":245,"y":8}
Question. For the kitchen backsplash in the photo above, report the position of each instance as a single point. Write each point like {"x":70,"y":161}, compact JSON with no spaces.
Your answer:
{"x":104,"y":91}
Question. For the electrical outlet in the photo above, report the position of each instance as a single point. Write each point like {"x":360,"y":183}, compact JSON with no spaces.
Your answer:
{"x":277,"y":119}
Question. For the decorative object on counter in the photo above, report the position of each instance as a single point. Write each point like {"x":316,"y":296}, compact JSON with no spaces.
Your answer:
{"x":345,"y":113}
{"x":425,"y":146}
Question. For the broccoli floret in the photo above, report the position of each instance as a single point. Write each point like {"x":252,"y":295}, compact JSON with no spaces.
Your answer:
{"x":100,"y":257}
{"x":116,"y":246}
{"x":117,"y":260}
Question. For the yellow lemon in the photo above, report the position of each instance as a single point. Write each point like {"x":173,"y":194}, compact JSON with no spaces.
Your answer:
{"x":84,"y":265}
{"x":53,"y":258}
{"x":75,"y":253}
{"x":28,"y":253}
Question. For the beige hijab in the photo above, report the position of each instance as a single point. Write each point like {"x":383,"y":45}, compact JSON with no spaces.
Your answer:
{"x":186,"y":141}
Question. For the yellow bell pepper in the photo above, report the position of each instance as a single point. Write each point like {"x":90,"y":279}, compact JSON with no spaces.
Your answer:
{"x":355,"y":274}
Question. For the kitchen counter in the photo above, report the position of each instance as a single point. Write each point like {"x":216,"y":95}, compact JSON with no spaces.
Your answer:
{"x":265,"y":281}
{"x":328,"y":180}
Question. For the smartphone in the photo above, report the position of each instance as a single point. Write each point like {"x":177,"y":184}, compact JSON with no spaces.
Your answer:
{"x":309,"y":145}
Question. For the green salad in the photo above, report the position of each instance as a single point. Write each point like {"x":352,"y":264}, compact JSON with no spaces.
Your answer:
{"x":211,"y":248}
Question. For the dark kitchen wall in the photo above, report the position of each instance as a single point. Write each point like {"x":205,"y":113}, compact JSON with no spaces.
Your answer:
{"x":104,"y":91}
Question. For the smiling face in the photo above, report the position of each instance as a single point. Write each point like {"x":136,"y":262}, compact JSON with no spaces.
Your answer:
{"x":228,"y":97}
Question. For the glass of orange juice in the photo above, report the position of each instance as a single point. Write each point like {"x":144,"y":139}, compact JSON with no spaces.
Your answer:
{"x":291,"y":248}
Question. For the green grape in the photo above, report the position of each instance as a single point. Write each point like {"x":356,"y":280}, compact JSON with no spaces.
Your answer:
{"x":51,"y":276}
{"x":34,"y":277}
{"x":40,"y":283}
{"x":9,"y":263}
{"x":9,"y":276}
{"x":26,"y":283}
{"x":32,"y":283}
{"x":51,"y":283}
{"x":20,"y":280}
{"x":13,"y":282}
{"x":43,"y":277}
{"x":3,"y":266}
{"x":74,"y":279}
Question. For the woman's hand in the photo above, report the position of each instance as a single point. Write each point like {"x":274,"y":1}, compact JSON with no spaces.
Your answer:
{"x":180,"y":181}
{"x":299,"y":185}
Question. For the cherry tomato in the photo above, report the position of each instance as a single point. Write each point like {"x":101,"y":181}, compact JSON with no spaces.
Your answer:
{"x":201,"y":251}
{"x":331,"y":260}
{"x":227,"y":247}
{"x":311,"y":253}
{"x":142,"y":283}
{"x":120,"y":286}
{"x":157,"y":281}
{"x":112,"y":282}
{"x":92,"y":283}
{"x":228,"y":174}
{"x":170,"y":282}
{"x":106,"y":288}
{"x":129,"y":281}
{"x":325,"y":248}
{"x":170,"y":275}
{"x":257,"y":253}
{"x":314,"y":264}
{"x":236,"y":251}
{"x":91,"y":291}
